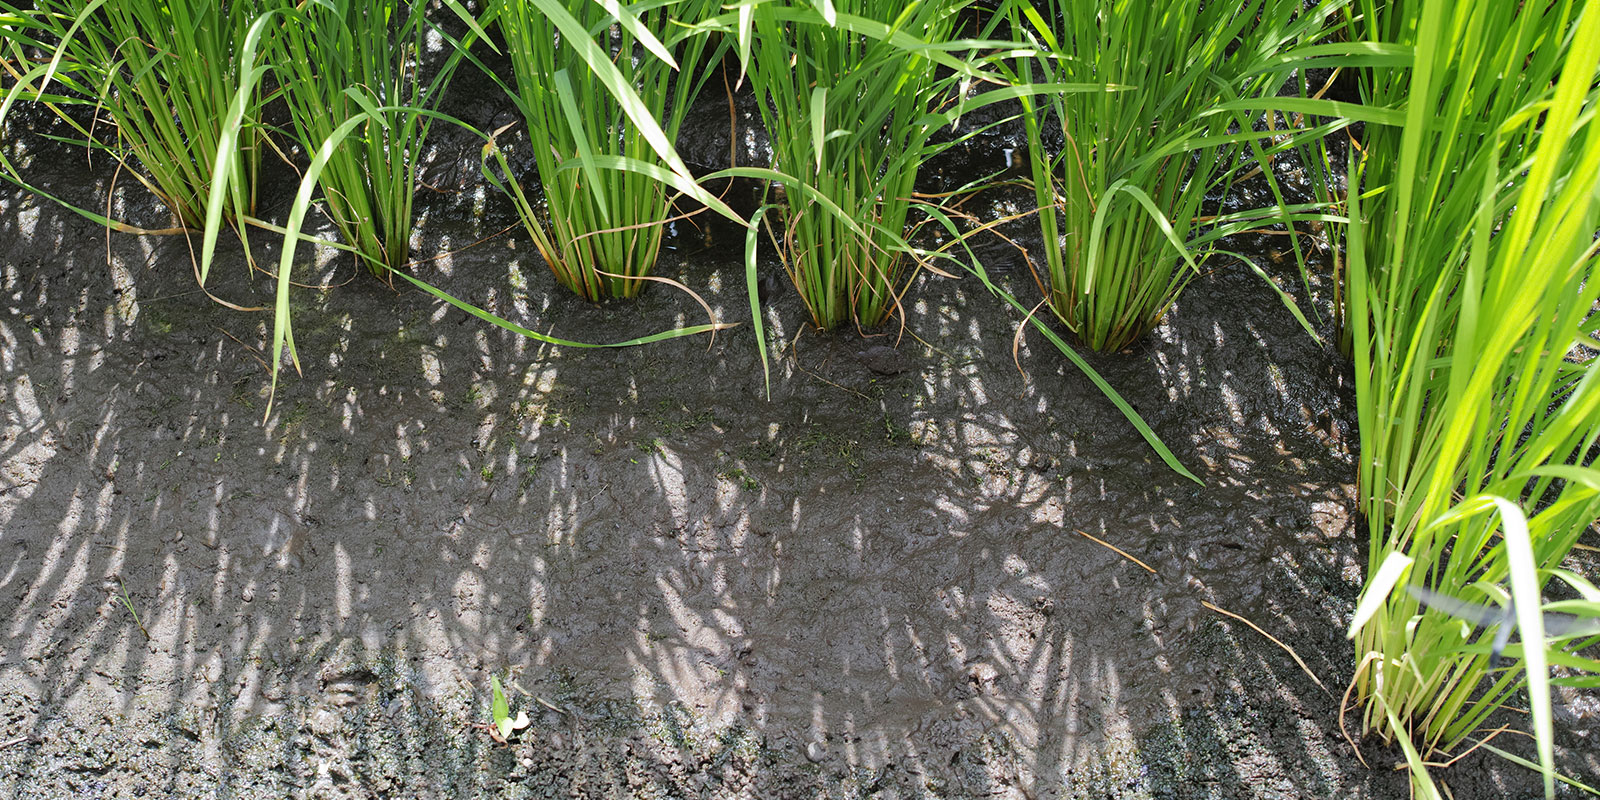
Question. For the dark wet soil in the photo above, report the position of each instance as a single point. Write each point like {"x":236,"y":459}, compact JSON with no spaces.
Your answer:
{"x":893,"y":578}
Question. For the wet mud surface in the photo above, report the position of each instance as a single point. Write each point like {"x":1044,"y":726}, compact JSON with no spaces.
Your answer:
{"x":880,"y":582}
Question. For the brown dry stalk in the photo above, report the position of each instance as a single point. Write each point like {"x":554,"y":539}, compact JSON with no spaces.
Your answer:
{"x":1119,"y":551}
{"x":1274,"y":639}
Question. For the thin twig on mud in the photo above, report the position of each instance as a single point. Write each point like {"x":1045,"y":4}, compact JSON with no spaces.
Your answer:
{"x":1219,"y":610}
{"x":1119,"y":551}
{"x":1286,"y":648}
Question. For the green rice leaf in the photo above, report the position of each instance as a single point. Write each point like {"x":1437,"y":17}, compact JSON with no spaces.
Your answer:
{"x":1548,"y":773}
{"x":1525,"y":586}
{"x":502,"y":322}
{"x":630,"y":23}
{"x":228,"y":140}
{"x":586,"y":156}
{"x":1324,"y":108}
{"x":752,"y":237}
{"x":1379,"y":586}
{"x":575,"y":35}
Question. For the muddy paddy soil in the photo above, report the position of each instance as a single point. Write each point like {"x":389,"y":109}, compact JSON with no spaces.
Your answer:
{"x":872,"y":584}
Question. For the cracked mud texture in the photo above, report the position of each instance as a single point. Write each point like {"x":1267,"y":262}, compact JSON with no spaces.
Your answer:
{"x":872,"y":584}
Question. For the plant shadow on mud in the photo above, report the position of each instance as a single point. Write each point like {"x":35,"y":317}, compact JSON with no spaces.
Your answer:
{"x":870,"y":585}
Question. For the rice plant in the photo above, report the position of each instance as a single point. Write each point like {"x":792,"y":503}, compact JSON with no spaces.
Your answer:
{"x":162,"y":72}
{"x":1470,"y":302}
{"x":1325,"y":173}
{"x":364,"y":115}
{"x":600,"y":228}
{"x":850,"y":94}
{"x":336,"y":59}
{"x":852,"y":98}
{"x":1123,"y":225}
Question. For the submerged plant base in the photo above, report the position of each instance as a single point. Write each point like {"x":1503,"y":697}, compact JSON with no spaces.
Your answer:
{"x":602,"y":263}
{"x":1115,"y":295}
{"x":842,"y":277}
